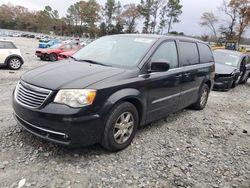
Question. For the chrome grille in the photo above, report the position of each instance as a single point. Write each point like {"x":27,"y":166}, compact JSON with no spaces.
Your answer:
{"x":31,"y":96}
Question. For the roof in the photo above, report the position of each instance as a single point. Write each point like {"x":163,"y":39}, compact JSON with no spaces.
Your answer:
{"x":161,"y":36}
{"x":4,"y":40}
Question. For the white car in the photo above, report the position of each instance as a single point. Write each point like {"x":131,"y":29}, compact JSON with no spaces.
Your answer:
{"x":10,"y":55}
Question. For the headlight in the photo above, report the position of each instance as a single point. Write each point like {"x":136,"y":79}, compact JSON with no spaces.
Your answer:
{"x":75,"y":97}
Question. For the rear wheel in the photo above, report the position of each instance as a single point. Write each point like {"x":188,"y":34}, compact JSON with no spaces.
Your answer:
{"x":121,"y":126}
{"x":53,"y":57}
{"x":14,"y":63}
{"x":203,"y":97}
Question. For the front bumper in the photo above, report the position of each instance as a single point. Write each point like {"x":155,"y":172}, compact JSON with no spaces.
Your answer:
{"x":39,"y":54}
{"x":223,"y":83}
{"x":60,"y":124}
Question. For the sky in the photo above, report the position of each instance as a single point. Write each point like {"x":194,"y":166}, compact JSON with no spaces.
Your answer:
{"x":190,"y":18}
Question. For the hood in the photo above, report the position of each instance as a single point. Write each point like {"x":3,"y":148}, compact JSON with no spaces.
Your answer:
{"x":224,"y":69}
{"x":69,"y":74}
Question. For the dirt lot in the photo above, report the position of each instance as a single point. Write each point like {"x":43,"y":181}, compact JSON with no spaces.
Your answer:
{"x":209,"y":148}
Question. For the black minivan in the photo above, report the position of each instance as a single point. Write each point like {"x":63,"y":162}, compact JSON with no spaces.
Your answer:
{"x":112,"y":86}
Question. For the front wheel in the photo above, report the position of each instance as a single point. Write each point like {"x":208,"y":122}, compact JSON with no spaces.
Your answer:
{"x":245,"y":81}
{"x":121,"y":126}
{"x":53,"y":57}
{"x":14,"y":63}
{"x":203,"y":97}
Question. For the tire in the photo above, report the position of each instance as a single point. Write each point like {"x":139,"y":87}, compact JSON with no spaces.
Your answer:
{"x":53,"y":57}
{"x":244,"y":81}
{"x":14,"y":63}
{"x":203,"y":97}
{"x":233,"y":85}
{"x":120,"y":127}
{"x":42,"y":58}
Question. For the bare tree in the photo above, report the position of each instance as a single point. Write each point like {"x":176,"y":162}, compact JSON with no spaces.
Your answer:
{"x":208,"y":19}
{"x":231,"y":12}
{"x":243,"y":13}
{"x":130,"y":15}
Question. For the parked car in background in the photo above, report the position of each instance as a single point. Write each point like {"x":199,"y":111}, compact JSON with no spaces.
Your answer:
{"x":67,"y":54}
{"x":24,"y":34}
{"x":48,"y":43}
{"x":10,"y":55}
{"x":111,"y":87}
{"x":31,"y":36}
{"x":53,"y":52}
{"x":231,"y":68}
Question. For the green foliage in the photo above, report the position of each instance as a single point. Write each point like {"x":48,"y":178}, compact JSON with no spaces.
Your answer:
{"x":145,"y":9}
{"x":173,"y":12}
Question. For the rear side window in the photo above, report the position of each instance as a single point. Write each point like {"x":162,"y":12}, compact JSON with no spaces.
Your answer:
{"x":7,"y":45}
{"x":206,"y":55}
{"x":189,"y":53}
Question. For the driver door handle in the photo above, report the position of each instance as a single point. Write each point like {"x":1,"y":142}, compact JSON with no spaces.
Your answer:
{"x":187,"y":74}
{"x":178,"y":76}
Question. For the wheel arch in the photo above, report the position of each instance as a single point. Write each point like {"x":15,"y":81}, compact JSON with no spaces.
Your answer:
{"x":133,"y":96}
{"x":11,"y":56}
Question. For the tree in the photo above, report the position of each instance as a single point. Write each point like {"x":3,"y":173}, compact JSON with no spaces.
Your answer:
{"x":145,"y":9}
{"x":157,"y":5}
{"x":163,"y":20}
{"x":242,"y":8}
{"x":173,"y":12}
{"x":208,"y":19}
{"x":109,"y":12}
{"x":129,"y":16}
{"x":118,"y":18}
{"x":231,"y":12}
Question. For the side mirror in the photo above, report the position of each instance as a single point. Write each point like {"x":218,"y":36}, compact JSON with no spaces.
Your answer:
{"x":159,"y":66}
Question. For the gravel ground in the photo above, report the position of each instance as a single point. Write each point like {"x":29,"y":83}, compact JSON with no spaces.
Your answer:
{"x":209,"y":148}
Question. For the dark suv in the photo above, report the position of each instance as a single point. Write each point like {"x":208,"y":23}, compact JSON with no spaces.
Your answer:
{"x":112,"y":86}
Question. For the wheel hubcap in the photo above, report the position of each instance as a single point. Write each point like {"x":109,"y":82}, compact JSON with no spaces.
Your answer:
{"x":204,"y":97}
{"x":15,"y":63}
{"x":123,"y":127}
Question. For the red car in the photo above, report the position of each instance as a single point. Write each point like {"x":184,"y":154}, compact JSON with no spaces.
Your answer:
{"x":67,"y":54}
{"x":53,"y":52}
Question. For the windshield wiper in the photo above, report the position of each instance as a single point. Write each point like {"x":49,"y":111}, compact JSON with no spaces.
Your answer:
{"x":93,"y":62}
{"x":73,"y":58}
{"x":90,"y":61}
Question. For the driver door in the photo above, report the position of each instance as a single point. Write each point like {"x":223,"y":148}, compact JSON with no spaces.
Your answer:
{"x":164,"y":87}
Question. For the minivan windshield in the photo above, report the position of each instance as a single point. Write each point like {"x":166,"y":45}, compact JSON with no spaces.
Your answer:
{"x":225,"y":58}
{"x":116,"y":50}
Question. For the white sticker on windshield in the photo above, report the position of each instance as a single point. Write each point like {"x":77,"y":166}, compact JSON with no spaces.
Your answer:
{"x":233,"y":56}
{"x":228,"y":63}
{"x":143,"y":40}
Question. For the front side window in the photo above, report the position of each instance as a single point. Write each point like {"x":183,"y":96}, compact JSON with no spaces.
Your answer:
{"x":116,"y":50}
{"x":189,"y":53}
{"x":167,"y":52}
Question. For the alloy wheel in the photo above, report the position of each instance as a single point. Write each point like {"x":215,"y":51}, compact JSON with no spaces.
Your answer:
{"x":123,"y":127}
{"x":204,"y":97}
{"x":15,"y":63}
